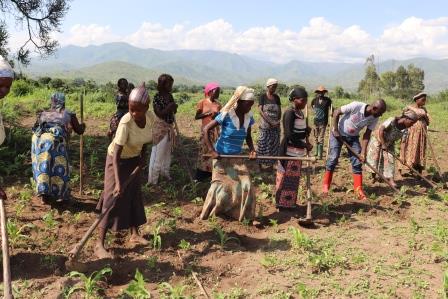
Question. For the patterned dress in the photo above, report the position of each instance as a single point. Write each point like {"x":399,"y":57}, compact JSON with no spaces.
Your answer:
{"x":269,"y":137}
{"x":49,"y":154}
{"x":413,"y":147}
{"x":384,"y":162}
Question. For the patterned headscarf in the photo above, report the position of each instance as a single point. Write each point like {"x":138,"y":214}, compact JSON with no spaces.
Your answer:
{"x":410,"y":114}
{"x":242,"y":93}
{"x":6,"y":70}
{"x":139,"y":94}
{"x":58,"y":101}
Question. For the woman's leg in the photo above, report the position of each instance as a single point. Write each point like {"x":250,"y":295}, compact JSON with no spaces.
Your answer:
{"x":136,"y":238}
{"x":100,"y":250}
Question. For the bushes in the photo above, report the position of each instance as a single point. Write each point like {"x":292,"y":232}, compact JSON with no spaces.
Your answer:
{"x":21,"y":88}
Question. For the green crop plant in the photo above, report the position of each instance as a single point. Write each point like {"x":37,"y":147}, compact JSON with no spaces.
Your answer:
{"x":136,"y":289}
{"x":89,"y":284}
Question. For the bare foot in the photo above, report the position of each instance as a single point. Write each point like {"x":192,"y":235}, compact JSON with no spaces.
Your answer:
{"x":102,"y":253}
{"x":137,"y":239}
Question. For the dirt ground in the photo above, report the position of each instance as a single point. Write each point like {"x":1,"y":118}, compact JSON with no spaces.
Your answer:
{"x":391,"y":246}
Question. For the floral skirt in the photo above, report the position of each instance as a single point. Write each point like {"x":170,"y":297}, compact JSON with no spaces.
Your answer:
{"x":287,"y":183}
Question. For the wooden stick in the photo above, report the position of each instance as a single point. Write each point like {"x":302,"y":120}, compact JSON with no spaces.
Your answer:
{"x":439,"y":170}
{"x":198,"y":282}
{"x":309,"y":159}
{"x":370,"y":166}
{"x":73,"y":254}
{"x":7,"y":292}
{"x":183,"y":157}
{"x":81,"y":148}
{"x":412,"y":169}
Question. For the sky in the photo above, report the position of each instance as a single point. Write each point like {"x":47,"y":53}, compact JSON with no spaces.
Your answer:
{"x":278,"y":31}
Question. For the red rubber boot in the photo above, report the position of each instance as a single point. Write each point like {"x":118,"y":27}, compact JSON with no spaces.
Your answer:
{"x":328,"y":177}
{"x":357,"y":187}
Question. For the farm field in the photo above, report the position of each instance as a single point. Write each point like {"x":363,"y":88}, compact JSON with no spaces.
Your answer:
{"x":392,"y":246}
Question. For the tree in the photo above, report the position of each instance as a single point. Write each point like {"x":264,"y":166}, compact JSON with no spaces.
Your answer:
{"x":339,"y":92}
{"x":57,"y":83}
{"x":39,"y":18}
{"x":416,"y":77}
{"x":388,"y":83}
{"x":371,"y":82}
{"x":403,"y":82}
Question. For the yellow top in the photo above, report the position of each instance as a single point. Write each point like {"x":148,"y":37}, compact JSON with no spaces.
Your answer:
{"x":131,"y":136}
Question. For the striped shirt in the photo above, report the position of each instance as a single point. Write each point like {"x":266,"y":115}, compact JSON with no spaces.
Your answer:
{"x":297,"y":141}
{"x":230,"y":142}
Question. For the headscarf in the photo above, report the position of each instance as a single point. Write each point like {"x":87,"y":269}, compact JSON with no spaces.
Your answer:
{"x":139,"y":95}
{"x":58,"y":101}
{"x":410,"y":114}
{"x":6,"y":70}
{"x":298,"y":92}
{"x":209,"y":87}
{"x":418,"y":96}
{"x":242,"y":93}
{"x":271,"y":81}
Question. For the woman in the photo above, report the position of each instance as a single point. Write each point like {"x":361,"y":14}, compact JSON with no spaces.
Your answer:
{"x":49,"y":154}
{"x":413,"y":145}
{"x":207,"y":109}
{"x":294,"y":144}
{"x":121,"y":101}
{"x":125,"y":153}
{"x":6,"y":78}
{"x":270,"y":110}
{"x":231,"y":190}
{"x":382,"y":145}
{"x":164,"y":137}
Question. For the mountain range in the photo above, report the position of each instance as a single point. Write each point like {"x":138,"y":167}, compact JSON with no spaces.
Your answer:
{"x":108,"y":62}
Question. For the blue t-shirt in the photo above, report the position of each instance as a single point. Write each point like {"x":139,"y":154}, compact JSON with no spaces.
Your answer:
{"x":230,"y":141}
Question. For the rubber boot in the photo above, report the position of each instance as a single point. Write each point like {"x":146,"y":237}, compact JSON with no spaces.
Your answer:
{"x":357,"y":187}
{"x":320,"y":149}
{"x":316,"y":153}
{"x":328,"y":177}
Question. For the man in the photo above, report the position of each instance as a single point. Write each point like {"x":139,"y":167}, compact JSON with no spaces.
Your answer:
{"x":6,"y":78}
{"x":355,"y":116}
{"x":321,"y":106}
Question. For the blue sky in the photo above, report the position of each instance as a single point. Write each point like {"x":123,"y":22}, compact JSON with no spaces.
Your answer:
{"x":280,"y":31}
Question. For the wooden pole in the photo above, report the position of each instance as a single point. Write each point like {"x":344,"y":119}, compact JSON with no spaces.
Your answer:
{"x":7,"y":292}
{"x":329,"y":133}
{"x":439,"y":170}
{"x":309,"y":159}
{"x":81,"y":148}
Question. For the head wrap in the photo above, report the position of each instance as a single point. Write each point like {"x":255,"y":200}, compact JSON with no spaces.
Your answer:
{"x":6,"y":70}
{"x":298,"y":92}
{"x":419,"y":95}
{"x":209,"y":87}
{"x":58,"y":101}
{"x":242,"y":93}
{"x":139,"y":95}
{"x":271,"y":81}
{"x":410,"y":114}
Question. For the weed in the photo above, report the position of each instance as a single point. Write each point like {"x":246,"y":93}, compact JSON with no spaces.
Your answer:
{"x":177,"y":212}
{"x":300,"y":240}
{"x":273,"y":222}
{"x":445,"y":284}
{"x":246,"y":222}
{"x":305,"y":292}
{"x":324,"y":259}
{"x":136,"y":289}
{"x":89,"y":283}
{"x":234,"y":293}
{"x":441,"y":232}
{"x":269,"y":261}
{"x":198,"y":201}
{"x":156,"y":238}
{"x":151,"y":262}
{"x":49,"y":221}
{"x":223,"y":238}
{"x":185,"y":245}
{"x":168,"y":291}
{"x":15,"y":233}
{"x":48,"y":262}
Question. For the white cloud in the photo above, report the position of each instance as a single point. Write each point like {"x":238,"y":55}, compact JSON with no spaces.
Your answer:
{"x":319,"y":40}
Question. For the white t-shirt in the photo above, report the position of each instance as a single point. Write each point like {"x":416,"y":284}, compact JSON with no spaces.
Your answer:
{"x":353,"y":119}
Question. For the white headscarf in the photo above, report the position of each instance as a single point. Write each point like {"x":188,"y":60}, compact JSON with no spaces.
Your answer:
{"x":271,"y":81}
{"x":242,"y":93}
{"x":6,"y":70}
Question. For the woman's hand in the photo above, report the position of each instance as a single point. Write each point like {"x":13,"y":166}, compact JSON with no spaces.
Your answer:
{"x":117,"y":191}
{"x":384,"y":147}
{"x":3,"y":194}
{"x":336,"y":132}
{"x":252,"y":155}
{"x":172,"y":107}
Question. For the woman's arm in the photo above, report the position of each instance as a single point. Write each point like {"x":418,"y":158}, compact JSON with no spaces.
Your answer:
{"x":210,"y":126}
{"x":200,"y":115}
{"x":381,"y":137}
{"x":143,"y":156}
{"x":250,"y":144}
{"x":77,"y":127}
{"x":116,"y":166}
